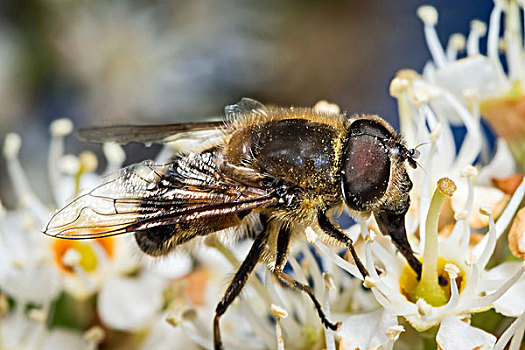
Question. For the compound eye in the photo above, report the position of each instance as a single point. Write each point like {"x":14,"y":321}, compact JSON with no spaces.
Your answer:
{"x":366,"y":171}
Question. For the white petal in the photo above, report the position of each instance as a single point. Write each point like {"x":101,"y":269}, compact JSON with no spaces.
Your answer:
{"x":163,"y":336}
{"x":17,"y":329}
{"x":32,"y":281}
{"x":455,"y":334}
{"x":501,"y":165}
{"x":512,"y":303}
{"x":476,"y":72}
{"x":366,"y":331}
{"x":130,"y":303}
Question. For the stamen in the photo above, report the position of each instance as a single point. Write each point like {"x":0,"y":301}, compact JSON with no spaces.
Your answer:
{"x":469,"y":171}
{"x":115,"y":156}
{"x":424,"y":197}
{"x":69,"y":165}
{"x":429,"y":16}
{"x":461,"y":232}
{"x":515,"y":331}
{"x":423,"y":308}
{"x":513,"y":39}
{"x":279,"y":313}
{"x":94,"y":336}
{"x":369,"y":282}
{"x":88,"y":161}
{"x":398,"y":87}
{"x":492,"y":42}
{"x":420,"y":96}
{"x":387,"y":258}
{"x":456,"y":44}
{"x":12,"y":144}
{"x":478,"y":29}
{"x":195,"y":332}
{"x":471,"y":144}
{"x":470,"y":287}
{"x":61,"y":127}
{"x":388,"y":298}
{"x":19,"y":180}
{"x":72,"y":259}
{"x":37,"y":315}
{"x":393,"y":332}
{"x":212,"y":242}
{"x":336,"y":259}
{"x":262,"y":330}
{"x":173,"y":320}
{"x":453,"y":272}
{"x":489,"y":299}
{"x":434,"y":134}
{"x":504,"y":218}
{"x":364,"y":228}
{"x":328,"y":333}
{"x":311,"y":235}
{"x":429,"y":286}
{"x":314,"y":269}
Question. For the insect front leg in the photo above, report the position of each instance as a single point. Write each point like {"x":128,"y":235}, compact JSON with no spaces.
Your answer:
{"x":237,"y":284}
{"x":333,"y":231}
{"x":283,"y":242}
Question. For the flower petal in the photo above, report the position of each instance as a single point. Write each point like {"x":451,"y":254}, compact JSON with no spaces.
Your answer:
{"x":455,"y":334}
{"x":130,"y":303}
{"x":367,"y":330}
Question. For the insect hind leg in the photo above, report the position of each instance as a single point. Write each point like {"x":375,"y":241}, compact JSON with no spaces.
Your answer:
{"x":283,"y":242}
{"x":237,"y":284}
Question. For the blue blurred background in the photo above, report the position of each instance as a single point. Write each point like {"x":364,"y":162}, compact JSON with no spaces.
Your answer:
{"x":107,"y":62}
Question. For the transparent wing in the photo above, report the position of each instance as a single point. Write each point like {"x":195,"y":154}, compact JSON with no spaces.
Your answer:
{"x":148,"y":195}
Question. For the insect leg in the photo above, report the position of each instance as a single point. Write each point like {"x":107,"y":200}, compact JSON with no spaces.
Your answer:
{"x":283,"y":241}
{"x":237,"y":284}
{"x":334,"y":232}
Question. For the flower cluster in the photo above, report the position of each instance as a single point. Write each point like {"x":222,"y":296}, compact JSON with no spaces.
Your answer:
{"x":86,"y":294}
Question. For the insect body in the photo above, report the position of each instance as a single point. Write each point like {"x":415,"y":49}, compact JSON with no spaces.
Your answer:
{"x":285,"y":168}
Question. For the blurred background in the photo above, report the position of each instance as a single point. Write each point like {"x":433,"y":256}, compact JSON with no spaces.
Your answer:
{"x":100,"y":62}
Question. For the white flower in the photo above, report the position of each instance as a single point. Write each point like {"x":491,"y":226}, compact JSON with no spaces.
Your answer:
{"x":479,"y":82}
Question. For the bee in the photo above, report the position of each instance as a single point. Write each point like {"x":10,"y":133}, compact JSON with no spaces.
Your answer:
{"x":282,"y":168}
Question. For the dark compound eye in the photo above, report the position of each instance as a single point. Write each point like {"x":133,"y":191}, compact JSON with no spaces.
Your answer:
{"x":369,"y":127}
{"x":365,"y":172}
